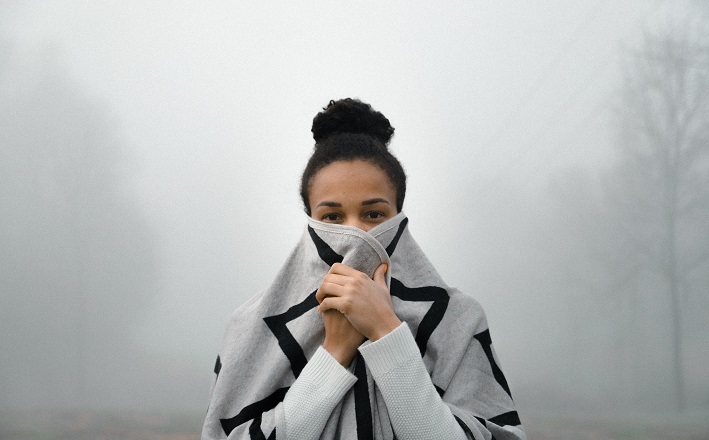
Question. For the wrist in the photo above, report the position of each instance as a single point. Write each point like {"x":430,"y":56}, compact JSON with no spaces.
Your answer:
{"x":387,"y":326}
{"x":341,"y":354}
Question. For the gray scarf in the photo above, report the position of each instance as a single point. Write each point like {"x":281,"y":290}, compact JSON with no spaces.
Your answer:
{"x":270,"y":338}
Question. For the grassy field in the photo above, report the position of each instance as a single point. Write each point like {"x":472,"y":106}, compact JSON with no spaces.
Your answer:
{"x":66,"y":425}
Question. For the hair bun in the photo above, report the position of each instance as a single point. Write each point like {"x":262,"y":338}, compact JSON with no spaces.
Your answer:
{"x":351,"y":116}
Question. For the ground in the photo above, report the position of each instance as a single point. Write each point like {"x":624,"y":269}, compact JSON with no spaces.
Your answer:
{"x":102,"y":425}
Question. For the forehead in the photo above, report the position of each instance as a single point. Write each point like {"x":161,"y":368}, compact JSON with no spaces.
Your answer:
{"x":351,"y":177}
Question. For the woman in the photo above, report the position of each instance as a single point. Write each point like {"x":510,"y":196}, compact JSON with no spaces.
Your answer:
{"x":358,"y":337}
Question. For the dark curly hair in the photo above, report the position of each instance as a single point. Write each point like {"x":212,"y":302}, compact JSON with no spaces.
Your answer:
{"x":347,"y":130}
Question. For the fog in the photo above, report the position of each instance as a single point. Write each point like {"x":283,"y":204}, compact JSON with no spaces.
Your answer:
{"x":150,"y":155}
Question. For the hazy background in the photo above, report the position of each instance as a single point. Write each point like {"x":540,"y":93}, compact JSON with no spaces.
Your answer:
{"x":150,"y":154}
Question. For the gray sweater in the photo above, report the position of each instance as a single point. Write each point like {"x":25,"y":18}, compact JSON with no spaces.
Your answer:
{"x":416,"y":411}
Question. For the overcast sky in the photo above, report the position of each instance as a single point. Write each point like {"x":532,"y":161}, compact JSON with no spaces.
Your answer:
{"x":213,"y":102}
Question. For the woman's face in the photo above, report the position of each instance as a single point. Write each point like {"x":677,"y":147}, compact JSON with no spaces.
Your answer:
{"x":354,"y":193}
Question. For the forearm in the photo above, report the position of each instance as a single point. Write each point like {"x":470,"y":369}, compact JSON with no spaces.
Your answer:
{"x":312,"y":397}
{"x":415,"y":409}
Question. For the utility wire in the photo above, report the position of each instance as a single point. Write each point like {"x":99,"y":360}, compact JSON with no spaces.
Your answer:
{"x":544,"y":76}
{"x":565,"y":106}
{"x":554,"y":119}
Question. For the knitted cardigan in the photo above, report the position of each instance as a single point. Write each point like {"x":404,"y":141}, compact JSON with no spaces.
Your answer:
{"x":270,"y":338}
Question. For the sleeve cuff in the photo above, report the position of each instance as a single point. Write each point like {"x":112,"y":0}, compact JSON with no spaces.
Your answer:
{"x":325,"y":373}
{"x":310,"y":400}
{"x":389,"y":352}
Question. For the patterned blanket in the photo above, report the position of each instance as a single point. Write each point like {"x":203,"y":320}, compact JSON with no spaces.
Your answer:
{"x":270,"y":338}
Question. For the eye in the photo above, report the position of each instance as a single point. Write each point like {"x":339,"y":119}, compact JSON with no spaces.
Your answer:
{"x":374,"y":215}
{"x":330,"y":217}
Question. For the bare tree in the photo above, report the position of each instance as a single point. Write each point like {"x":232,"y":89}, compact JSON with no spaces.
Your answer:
{"x":76,"y":259}
{"x":658,"y":194}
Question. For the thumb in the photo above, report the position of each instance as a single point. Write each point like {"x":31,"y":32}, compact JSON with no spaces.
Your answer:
{"x":380,"y":272}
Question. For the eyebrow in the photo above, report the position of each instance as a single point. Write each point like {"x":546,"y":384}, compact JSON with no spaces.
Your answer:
{"x":330,"y":204}
{"x":374,"y":201}
{"x":364,"y":203}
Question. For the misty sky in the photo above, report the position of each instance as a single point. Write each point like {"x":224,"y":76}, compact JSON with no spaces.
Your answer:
{"x":213,"y":102}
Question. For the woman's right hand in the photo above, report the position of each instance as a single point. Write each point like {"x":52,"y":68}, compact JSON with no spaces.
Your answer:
{"x":341,"y":338}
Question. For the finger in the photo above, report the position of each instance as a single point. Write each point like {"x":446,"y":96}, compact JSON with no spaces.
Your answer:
{"x":325,"y":290}
{"x":320,"y":294}
{"x":380,"y":274}
{"x":331,"y":303}
{"x":329,"y":280}
{"x":334,"y":278}
{"x":328,"y":289}
{"x":343,"y":269}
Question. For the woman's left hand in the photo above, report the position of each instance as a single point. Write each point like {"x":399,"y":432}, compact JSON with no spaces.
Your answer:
{"x":366,"y":302}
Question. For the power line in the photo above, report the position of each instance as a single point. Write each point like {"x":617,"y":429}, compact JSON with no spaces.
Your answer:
{"x":544,"y":76}
{"x":566,"y":105}
{"x":553,"y":120}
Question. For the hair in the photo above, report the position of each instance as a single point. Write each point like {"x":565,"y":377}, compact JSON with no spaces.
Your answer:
{"x":347,"y":130}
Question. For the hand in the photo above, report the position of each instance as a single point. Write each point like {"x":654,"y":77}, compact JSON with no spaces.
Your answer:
{"x":341,"y":339}
{"x":365,"y":302}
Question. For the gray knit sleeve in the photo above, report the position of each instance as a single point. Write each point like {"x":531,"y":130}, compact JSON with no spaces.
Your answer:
{"x":416,"y":410}
{"x":312,"y":397}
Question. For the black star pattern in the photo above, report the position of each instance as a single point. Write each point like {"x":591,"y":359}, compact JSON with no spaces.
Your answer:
{"x":296,"y":356}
